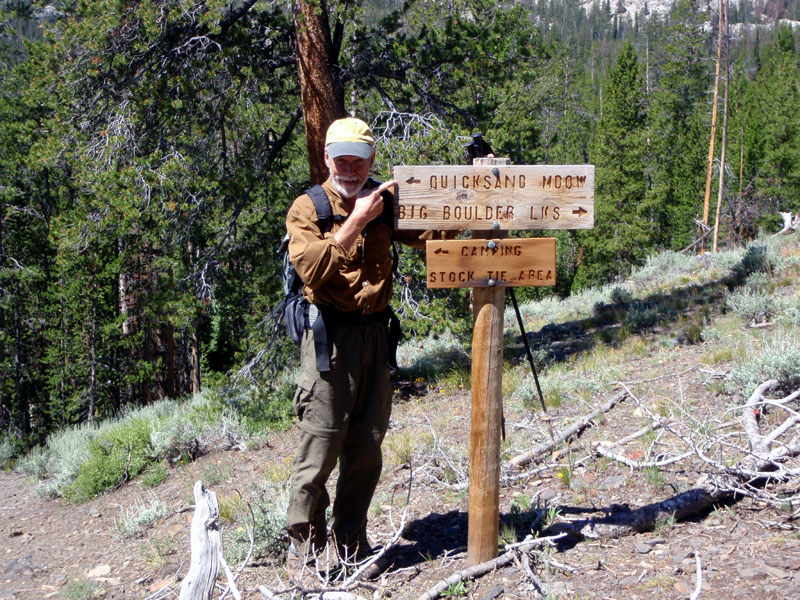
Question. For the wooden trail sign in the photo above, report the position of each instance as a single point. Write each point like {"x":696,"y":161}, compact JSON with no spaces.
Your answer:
{"x":487,"y":263}
{"x":489,"y":197}
{"x":492,"y":197}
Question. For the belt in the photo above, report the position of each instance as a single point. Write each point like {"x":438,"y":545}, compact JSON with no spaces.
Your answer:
{"x":353,"y":317}
{"x":330,"y":318}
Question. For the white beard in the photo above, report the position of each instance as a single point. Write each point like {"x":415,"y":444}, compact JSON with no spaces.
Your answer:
{"x":348,"y":187}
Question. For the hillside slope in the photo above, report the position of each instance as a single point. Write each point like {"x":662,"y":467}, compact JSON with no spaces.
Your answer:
{"x":687,"y":339}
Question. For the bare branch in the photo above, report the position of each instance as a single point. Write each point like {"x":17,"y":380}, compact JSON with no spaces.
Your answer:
{"x":565,"y":434}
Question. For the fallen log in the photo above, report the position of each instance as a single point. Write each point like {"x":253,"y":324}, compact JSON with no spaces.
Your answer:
{"x":625,"y":521}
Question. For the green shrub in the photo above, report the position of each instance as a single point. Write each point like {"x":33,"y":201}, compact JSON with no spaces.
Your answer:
{"x":141,"y":515}
{"x":154,"y":475}
{"x":642,"y":317}
{"x":269,"y":530}
{"x":779,"y":358}
{"x":755,"y":260}
{"x":114,"y":458}
{"x":261,"y":407}
{"x":693,"y":331}
{"x":621,"y":296}
{"x":7,"y":452}
{"x":757,"y":281}
{"x":432,"y":356}
{"x":752,"y":305}
{"x":82,"y":589}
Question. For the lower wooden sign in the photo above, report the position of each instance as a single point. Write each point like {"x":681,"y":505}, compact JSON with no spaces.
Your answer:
{"x":486,"y":263}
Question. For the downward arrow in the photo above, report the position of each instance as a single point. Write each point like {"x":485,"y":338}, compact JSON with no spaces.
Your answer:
{"x":580,"y":212}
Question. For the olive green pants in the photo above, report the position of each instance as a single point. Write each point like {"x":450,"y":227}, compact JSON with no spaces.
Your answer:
{"x":343,"y":415}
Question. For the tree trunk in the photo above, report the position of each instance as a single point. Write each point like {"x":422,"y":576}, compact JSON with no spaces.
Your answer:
{"x":93,"y":365}
{"x":707,"y":197}
{"x":195,"y":368}
{"x":168,"y":340}
{"x":320,"y":87}
{"x":206,"y":547}
{"x":724,"y":136}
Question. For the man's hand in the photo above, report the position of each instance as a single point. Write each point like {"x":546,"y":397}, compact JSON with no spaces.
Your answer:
{"x":370,"y":202}
{"x":368,"y":206}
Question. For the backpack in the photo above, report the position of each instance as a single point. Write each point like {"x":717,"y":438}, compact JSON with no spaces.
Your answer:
{"x":294,"y":306}
{"x":298,"y":314}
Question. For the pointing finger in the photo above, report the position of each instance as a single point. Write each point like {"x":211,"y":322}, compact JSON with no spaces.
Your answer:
{"x":385,"y":186}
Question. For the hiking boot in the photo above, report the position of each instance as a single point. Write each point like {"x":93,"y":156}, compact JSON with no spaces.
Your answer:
{"x":300,"y":569}
{"x":377,"y":568}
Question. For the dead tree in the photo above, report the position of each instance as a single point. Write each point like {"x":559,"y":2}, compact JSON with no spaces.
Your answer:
{"x":790,"y":223}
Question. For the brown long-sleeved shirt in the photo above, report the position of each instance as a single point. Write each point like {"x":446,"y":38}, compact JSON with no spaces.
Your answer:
{"x":347,"y":280}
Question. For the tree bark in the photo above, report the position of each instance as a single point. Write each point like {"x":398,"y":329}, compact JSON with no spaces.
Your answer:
{"x":321,"y":89}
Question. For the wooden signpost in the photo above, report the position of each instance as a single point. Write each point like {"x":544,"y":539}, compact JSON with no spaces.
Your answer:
{"x":491,"y":197}
{"x":487,"y":263}
{"x":495,"y":197}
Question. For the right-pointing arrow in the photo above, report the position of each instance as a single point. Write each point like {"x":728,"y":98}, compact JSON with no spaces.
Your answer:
{"x":580,"y":211}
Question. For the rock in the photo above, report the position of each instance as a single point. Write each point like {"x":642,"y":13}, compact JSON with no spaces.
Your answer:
{"x":642,"y":548}
{"x":754,"y":574}
{"x":99,"y":571}
{"x":7,"y":595}
{"x":548,"y":494}
{"x":680,"y":588}
{"x":784,"y":562}
{"x":612,"y":482}
{"x":21,"y":566}
{"x":493,"y":593}
{"x":561,"y":589}
{"x":776,"y":572}
{"x":679,"y":557}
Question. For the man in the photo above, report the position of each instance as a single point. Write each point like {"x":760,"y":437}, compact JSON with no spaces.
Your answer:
{"x":342,"y":406}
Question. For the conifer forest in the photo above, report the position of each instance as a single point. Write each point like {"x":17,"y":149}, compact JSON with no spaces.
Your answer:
{"x":149,"y":151}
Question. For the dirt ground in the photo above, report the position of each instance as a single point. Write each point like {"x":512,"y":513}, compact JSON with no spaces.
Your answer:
{"x":744,"y":549}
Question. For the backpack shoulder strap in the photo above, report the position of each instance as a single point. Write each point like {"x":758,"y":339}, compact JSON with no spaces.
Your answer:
{"x":322,"y":204}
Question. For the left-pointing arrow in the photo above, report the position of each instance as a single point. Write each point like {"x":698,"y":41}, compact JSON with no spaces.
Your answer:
{"x":412,"y":180}
{"x":441,"y":251}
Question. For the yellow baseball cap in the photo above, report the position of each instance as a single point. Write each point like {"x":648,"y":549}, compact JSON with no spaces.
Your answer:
{"x":349,"y":137}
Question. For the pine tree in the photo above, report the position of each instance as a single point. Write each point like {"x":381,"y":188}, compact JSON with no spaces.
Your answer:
{"x":771,"y":124}
{"x":679,"y":139}
{"x":625,"y":222}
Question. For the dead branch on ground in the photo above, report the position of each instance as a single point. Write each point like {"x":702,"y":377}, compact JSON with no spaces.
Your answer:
{"x":732,"y":469}
{"x":563,"y":435}
{"x":488,"y":566}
